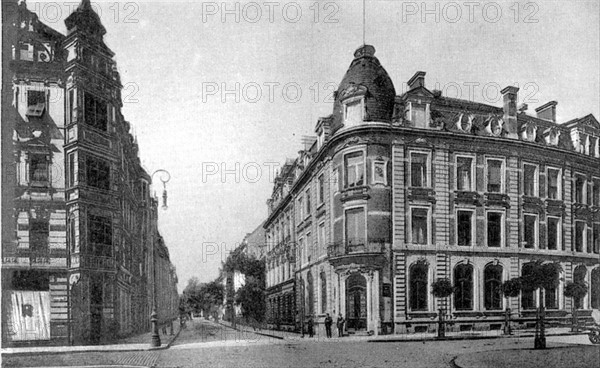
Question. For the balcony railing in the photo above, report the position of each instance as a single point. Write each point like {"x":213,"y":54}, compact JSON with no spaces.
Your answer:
{"x":355,"y":246}
{"x":92,"y":262}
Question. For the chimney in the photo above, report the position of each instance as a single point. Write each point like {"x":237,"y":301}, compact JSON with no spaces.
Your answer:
{"x":417,"y":80}
{"x":510,"y":95}
{"x":547,"y":111}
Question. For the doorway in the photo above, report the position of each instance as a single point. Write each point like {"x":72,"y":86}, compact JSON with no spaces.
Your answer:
{"x":356,"y":302}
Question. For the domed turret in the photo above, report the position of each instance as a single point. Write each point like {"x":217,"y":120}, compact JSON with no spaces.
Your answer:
{"x":366,"y":92}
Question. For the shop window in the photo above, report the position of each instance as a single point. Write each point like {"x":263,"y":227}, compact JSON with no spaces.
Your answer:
{"x":527,"y":296}
{"x":579,"y":275}
{"x":492,"y":279}
{"x":463,"y":287}
{"x":323,"y":293}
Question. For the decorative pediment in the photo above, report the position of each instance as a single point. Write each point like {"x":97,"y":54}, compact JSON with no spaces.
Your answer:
{"x":352,"y":91}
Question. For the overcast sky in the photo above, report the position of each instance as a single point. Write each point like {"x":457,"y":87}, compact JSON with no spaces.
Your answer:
{"x":280,"y":62}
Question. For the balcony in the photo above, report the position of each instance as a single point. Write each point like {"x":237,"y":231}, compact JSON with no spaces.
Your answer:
{"x":497,"y":199}
{"x":354,"y":193}
{"x":358,"y":251}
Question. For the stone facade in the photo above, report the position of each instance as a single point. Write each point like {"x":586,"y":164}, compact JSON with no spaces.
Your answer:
{"x":391,"y":197}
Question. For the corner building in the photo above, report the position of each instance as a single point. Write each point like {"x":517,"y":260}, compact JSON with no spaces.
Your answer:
{"x":398,"y":191}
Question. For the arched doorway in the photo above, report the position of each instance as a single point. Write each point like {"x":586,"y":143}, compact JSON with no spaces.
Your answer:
{"x":356,"y":302}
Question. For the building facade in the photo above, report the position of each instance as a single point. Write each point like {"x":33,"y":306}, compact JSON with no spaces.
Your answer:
{"x":399,"y":191}
{"x":82,"y":256}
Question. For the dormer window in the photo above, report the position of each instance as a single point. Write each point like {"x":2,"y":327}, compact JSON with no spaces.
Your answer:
{"x":354,"y":112}
{"x":552,"y":137}
{"x":529,"y":133}
{"x":416,"y":113}
{"x":26,"y":51}
{"x":36,"y":103}
{"x":465,"y":123}
{"x":494,"y":126}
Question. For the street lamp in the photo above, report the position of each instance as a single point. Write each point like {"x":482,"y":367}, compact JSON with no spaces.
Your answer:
{"x":155,"y":342}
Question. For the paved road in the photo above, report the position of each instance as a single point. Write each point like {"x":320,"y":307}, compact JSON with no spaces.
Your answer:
{"x":205,"y":344}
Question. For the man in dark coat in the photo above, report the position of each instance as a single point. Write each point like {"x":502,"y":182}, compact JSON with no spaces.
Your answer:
{"x":328,"y":322}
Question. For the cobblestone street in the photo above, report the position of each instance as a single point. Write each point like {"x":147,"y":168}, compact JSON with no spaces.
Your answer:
{"x":207,"y":344}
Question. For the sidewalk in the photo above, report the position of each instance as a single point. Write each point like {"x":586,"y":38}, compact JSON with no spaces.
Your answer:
{"x":132,"y":343}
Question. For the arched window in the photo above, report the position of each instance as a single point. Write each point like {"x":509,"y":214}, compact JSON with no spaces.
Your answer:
{"x":463,"y":283}
{"x":418,"y":286}
{"x":595,"y":292}
{"x":310,"y":298}
{"x":323,"y":293}
{"x":492,"y":279}
{"x":579,"y":277}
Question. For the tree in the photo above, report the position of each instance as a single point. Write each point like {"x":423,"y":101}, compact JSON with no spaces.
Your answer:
{"x":510,"y":289}
{"x":537,"y":277}
{"x":576,"y":291}
{"x":251,"y":296}
{"x":442,"y":288}
{"x":203,"y":297}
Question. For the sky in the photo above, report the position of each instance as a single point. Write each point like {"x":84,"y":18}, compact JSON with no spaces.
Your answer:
{"x":219,"y":94}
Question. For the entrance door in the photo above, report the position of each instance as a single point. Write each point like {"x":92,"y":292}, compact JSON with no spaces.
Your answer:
{"x":356,"y":302}
{"x":95,"y":311}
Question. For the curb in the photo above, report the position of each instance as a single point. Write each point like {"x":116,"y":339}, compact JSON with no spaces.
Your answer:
{"x":459,"y":338}
{"x":93,"y":350}
{"x":254,"y":332}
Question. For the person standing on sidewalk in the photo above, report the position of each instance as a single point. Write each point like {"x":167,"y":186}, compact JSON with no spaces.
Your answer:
{"x":310,"y":326}
{"x":340,"y":325}
{"x":328,"y":322}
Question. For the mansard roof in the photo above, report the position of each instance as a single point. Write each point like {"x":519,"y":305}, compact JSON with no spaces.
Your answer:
{"x":85,"y":19}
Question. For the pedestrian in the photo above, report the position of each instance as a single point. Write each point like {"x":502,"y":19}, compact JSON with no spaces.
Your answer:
{"x":310,"y":326}
{"x":328,"y":322}
{"x":340,"y":325}
{"x":297,"y":327}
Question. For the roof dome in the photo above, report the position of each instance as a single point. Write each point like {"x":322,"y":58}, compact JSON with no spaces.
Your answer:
{"x":366,"y":76}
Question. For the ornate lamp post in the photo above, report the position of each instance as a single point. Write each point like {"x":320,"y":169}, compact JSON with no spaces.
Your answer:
{"x":155,"y":342}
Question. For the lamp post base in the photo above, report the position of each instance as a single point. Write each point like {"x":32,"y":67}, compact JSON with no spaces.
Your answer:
{"x":155,"y":342}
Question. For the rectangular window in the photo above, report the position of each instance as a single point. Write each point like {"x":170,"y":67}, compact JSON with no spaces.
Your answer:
{"x":530,"y":180}
{"x":494,"y":175}
{"x":95,"y":113}
{"x":464,"y":173}
{"x":553,"y":233}
{"x":98,"y":173}
{"x":419,"y":224}
{"x":321,"y":189}
{"x":418,"y":170}
{"x":380,"y":172}
{"x":550,"y":299}
{"x":71,"y":106}
{"x":494,"y":229}
{"x":38,"y":170}
{"x":596,"y":238}
{"x":464,"y":231}
{"x":355,"y":227}
{"x":71,"y":174}
{"x":39,"y":231}
{"x":100,"y":232}
{"x":553,"y":183}
{"x":309,"y":247}
{"x":300,"y":209}
{"x":26,"y":51}
{"x":354,"y":169}
{"x":579,"y":235}
{"x":308,"y":209}
{"x":36,"y":103}
{"x":580,"y":189}
{"x":596,"y":193}
{"x":417,"y":115}
{"x":530,"y":231}
{"x":322,"y":237}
